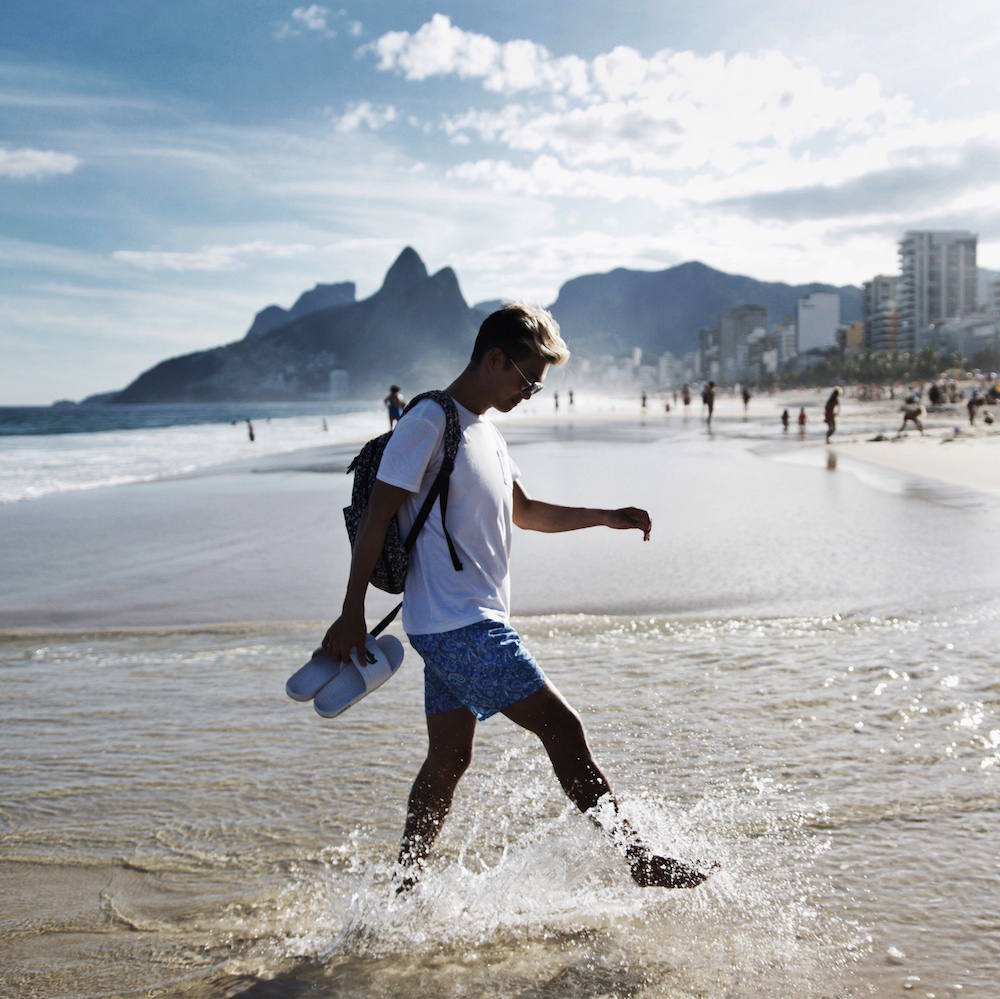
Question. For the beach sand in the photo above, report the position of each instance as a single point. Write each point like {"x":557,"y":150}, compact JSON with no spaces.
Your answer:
{"x":795,"y":676}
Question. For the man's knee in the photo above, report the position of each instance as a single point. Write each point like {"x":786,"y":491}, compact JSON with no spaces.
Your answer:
{"x":562,"y":726}
{"x":449,"y":759}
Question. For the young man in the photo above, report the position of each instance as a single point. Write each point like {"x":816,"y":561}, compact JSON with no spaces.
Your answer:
{"x":475,"y":664}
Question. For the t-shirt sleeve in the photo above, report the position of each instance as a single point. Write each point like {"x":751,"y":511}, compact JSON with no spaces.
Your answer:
{"x":410,"y":449}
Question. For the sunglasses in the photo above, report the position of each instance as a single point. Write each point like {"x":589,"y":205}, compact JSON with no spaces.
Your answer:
{"x":529,"y":388}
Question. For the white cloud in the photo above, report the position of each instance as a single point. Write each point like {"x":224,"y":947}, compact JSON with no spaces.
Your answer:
{"x":209,"y":258}
{"x":365,"y":114}
{"x":438,"y":48}
{"x":21,"y":164}
{"x":355,"y":29}
{"x":314,"y":18}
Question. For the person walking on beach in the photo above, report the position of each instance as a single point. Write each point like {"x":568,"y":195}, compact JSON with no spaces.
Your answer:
{"x":250,"y":434}
{"x":911,"y":413}
{"x":830,"y":413}
{"x":973,"y":405}
{"x":746,"y":401}
{"x":708,"y":397}
{"x":395,"y":403}
{"x":475,"y":663}
{"x":686,"y":396}
{"x":784,"y":421}
{"x":802,"y":421}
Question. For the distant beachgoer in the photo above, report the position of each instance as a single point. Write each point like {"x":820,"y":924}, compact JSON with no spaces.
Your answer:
{"x":708,"y":396}
{"x":643,"y":400}
{"x":686,"y":395}
{"x":973,"y":405}
{"x":802,"y":421}
{"x":675,"y":398}
{"x":570,"y":393}
{"x":250,"y":433}
{"x":555,"y":395}
{"x":325,"y":427}
{"x":911,"y":414}
{"x":746,"y":400}
{"x":784,"y":421}
{"x":395,"y":403}
{"x":830,"y":413}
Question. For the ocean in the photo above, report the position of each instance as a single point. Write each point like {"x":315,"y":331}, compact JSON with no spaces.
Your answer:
{"x":796,"y":678}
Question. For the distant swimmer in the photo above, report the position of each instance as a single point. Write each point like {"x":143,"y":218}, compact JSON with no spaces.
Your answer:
{"x":475,"y":664}
{"x":250,"y":432}
{"x":395,"y":403}
{"x":802,"y":421}
{"x":784,"y":421}
{"x":830,"y":412}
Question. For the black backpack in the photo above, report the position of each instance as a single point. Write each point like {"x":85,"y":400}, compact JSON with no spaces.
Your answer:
{"x":389,"y":573}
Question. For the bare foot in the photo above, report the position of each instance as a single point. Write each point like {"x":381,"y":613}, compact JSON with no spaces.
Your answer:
{"x":652,"y":871}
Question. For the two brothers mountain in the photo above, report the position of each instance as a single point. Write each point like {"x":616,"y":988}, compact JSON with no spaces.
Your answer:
{"x":417,"y":325}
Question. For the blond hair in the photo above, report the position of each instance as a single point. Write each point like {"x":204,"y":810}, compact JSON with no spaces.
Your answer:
{"x":521,"y":330}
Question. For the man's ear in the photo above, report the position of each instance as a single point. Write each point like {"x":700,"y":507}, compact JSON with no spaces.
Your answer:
{"x":495,"y":359}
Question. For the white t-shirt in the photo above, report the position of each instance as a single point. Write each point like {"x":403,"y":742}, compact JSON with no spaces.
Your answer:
{"x":480,"y":507}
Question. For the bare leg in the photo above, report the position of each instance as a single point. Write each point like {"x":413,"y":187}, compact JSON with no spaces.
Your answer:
{"x":449,"y":752}
{"x":559,"y":727}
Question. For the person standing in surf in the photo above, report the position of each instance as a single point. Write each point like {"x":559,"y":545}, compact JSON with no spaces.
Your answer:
{"x":475,"y":663}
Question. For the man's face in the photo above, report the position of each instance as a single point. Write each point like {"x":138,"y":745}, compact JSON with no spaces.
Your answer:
{"x":511,"y":382}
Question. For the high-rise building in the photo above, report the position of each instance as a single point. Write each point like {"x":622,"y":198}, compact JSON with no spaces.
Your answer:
{"x":880,"y":312}
{"x":937,"y":280}
{"x":817,"y":319}
{"x":735,"y":327}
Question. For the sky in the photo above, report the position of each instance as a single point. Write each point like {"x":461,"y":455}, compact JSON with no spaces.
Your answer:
{"x":168,"y":169}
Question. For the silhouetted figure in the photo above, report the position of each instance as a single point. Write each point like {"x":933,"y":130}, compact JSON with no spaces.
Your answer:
{"x":686,"y":395}
{"x":830,"y":413}
{"x":708,"y":397}
{"x":746,"y":401}
{"x":570,"y":398}
{"x":250,"y":433}
{"x":784,"y":421}
{"x":973,"y":405}
{"x":395,"y":403}
{"x":643,"y":400}
{"x":325,"y":427}
{"x":802,"y":421}
{"x":911,"y":414}
{"x":555,"y":395}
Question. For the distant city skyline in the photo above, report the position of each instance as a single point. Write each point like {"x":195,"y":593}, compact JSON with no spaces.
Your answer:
{"x":167,"y":171}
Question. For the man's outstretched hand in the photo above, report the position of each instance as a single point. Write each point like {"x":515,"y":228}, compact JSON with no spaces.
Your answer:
{"x":630,"y":517}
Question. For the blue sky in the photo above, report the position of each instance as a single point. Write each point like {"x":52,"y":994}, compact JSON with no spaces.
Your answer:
{"x":166,"y":170}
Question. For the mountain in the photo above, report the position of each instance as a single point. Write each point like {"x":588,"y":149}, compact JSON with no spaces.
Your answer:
{"x":323,"y":296}
{"x":664,"y":310}
{"x":414,"y":328}
{"x":417,"y":331}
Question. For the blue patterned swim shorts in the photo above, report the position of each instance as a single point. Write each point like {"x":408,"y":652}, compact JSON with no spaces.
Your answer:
{"x":482,"y":667}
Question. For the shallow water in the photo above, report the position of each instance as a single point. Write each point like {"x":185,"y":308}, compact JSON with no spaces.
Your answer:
{"x":797,"y":679}
{"x":169,"y":823}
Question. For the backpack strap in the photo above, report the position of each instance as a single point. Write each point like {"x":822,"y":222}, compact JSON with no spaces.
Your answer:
{"x":452,"y":439}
